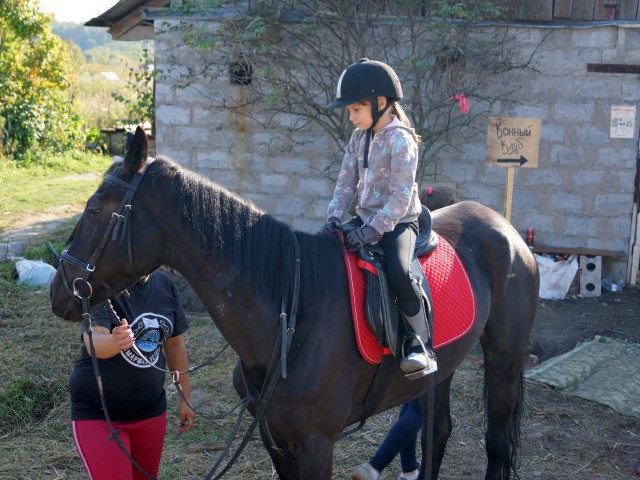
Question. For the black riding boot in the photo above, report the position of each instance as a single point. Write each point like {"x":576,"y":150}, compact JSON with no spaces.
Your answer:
{"x":420,"y":359}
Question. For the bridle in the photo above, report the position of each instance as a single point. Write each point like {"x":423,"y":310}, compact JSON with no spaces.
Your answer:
{"x":118,"y":223}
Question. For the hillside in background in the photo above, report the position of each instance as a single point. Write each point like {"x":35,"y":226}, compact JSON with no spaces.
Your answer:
{"x":97,"y":46}
{"x":106,"y":74}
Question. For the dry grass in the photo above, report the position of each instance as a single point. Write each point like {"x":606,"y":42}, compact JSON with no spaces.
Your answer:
{"x":563,"y":437}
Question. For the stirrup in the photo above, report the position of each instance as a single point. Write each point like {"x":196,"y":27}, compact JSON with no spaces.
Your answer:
{"x":426,"y":357}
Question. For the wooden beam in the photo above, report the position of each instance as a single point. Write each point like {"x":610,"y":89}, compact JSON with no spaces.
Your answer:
{"x":508,"y":193}
{"x":583,"y":10}
{"x":562,"y":8}
{"x":629,"y":10}
{"x":535,"y":10}
{"x":612,"y":68}
{"x":120,"y":29}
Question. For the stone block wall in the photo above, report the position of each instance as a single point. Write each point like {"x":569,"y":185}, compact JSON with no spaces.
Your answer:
{"x":279,"y":176}
{"x":580,"y":195}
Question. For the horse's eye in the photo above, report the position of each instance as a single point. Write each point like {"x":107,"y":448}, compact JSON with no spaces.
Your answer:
{"x":93,"y":212}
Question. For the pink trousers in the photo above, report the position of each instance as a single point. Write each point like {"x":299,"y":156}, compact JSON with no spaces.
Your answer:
{"x":104,"y":460}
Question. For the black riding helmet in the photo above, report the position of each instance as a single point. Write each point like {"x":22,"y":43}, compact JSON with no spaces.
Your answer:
{"x":368,"y":79}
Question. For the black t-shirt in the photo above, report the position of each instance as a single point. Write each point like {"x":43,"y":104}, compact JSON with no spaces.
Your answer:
{"x":133,"y":390}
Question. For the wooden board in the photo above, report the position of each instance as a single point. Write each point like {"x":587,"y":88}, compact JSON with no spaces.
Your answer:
{"x":536,"y":9}
{"x":583,"y":10}
{"x":513,"y":142}
{"x":593,"y":252}
{"x":562,"y":8}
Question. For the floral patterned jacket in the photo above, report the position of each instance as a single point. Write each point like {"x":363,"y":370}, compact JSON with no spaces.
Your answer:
{"x":387,"y":191}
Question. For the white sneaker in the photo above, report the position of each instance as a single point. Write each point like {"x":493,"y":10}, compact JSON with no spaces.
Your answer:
{"x":409,"y":476}
{"x":365,"y":472}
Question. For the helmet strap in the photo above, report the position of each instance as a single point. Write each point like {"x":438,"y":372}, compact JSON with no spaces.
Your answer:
{"x":367,"y":141}
{"x":375,"y":114}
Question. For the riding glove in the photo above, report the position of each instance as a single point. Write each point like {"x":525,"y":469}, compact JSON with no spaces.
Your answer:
{"x":362,"y":236}
{"x":332,"y":224}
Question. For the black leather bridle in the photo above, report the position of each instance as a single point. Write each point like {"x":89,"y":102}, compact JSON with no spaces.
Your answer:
{"x":118,"y":224}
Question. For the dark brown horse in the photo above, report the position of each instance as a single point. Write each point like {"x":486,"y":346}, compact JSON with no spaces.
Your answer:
{"x":241,"y":263}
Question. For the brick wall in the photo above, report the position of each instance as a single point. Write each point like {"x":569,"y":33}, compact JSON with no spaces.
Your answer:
{"x":580,"y":195}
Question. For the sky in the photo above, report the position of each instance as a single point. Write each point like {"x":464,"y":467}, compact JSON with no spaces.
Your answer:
{"x":79,"y":11}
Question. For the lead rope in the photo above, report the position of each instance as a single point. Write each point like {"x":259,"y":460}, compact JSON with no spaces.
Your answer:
{"x":175,"y":374}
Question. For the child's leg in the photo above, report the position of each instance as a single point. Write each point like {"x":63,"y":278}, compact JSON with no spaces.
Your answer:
{"x":413,"y":416}
{"x":402,"y":433}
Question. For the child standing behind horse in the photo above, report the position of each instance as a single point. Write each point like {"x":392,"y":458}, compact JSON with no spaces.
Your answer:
{"x":379,"y":167}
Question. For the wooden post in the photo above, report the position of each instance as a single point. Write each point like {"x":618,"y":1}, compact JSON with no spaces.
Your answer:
{"x":633,"y":239}
{"x":508,"y":193}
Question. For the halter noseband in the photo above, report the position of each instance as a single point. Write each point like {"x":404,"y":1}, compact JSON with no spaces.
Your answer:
{"x":117,"y":224}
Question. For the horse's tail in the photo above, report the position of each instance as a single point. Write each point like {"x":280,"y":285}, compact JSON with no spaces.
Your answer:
{"x":514,"y":428}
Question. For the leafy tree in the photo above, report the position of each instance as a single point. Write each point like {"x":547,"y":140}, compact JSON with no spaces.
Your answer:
{"x":35,"y":73}
{"x":139,"y":98}
{"x":289,"y":55}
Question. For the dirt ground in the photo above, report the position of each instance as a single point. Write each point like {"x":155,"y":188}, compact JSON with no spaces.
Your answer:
{"x":559,"y":325}
{"x":562,"y":436}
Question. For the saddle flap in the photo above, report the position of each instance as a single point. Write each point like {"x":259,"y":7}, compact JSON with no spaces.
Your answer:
{"x":380,"y":309}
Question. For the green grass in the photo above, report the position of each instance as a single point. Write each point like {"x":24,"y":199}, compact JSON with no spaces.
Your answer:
{"x":47,"y":185}
{"x":37,"y":351}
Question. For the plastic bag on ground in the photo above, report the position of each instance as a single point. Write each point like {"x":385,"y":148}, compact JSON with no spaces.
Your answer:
{"x":34,"y":273}
{"x":556,"y":277}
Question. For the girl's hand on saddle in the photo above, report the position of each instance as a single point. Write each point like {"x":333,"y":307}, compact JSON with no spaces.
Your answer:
{"x":361,"y":236}
{"x":122,"y":335}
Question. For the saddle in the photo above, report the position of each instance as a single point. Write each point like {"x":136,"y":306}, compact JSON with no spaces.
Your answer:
{"x":381,"y":312}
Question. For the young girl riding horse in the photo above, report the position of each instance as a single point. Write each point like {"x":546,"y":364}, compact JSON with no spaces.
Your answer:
{"x":379,"y":166}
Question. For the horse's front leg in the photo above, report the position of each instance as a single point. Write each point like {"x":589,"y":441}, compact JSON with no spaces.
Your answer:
{"x":284,"y":460}
{"x":310,"y":459}
{"x":315,"y":457}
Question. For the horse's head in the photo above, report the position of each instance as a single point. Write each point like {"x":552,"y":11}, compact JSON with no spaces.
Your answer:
{"x":100,"y":263}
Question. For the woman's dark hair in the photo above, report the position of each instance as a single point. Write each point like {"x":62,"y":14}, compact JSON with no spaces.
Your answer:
{"x":437,"y":196}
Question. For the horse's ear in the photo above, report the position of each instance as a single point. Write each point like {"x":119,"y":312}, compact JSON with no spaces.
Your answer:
{"x":137,"y":152}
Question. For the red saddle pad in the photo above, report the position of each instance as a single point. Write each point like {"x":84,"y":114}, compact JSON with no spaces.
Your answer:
{"x":454,"y":306}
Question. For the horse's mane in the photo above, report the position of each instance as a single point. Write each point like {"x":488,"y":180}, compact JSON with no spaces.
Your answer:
{"x":261,"y":247}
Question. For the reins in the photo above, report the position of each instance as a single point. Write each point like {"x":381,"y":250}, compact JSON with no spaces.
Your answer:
{"x":287,"y":329}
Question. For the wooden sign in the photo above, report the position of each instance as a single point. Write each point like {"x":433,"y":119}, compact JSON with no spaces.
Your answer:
{"x":513,"y":142}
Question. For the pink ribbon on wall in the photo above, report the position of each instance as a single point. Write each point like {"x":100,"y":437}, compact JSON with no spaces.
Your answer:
{"x":463,"y":102}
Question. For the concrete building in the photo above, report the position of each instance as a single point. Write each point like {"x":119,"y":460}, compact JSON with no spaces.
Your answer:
{"x":582,"y":194}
